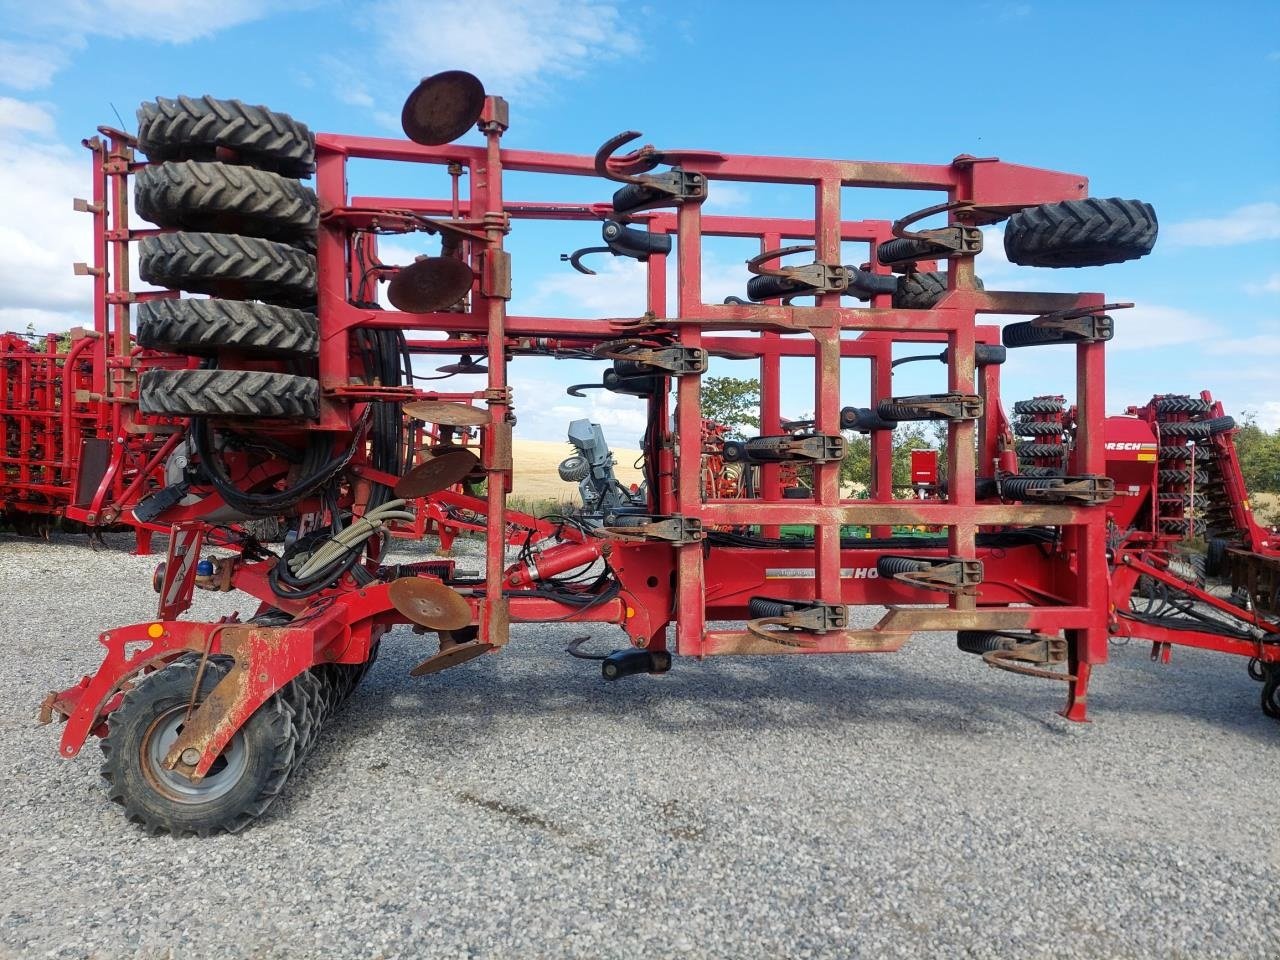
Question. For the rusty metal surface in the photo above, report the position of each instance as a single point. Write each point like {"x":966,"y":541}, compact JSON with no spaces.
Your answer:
{"x":430,"y":284}
{"x":448,"y":414}
{"x":453,"y":656}
{"x":439,"y":473}
{"x":429,"y":603}
{"x":442,"y":107}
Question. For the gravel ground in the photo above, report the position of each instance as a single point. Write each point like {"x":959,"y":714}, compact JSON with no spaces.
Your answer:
{"x":877,"y":806}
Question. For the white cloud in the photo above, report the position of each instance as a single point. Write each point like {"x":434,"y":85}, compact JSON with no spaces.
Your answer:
{"x":1268,"y":414}
{"x":1255,"y":221}
{"x":1150,"y":326}
{"x":617,"y":290}
{"x":175,"y":21}
{"x":544,"y":410}
{"x":997,"y":272}
{"x":1262,"y":345}
{"x":40,"y":234}
{"x":513,"y":45}
{"x":55,"y":29}
{"x":29,"y":66}
{"x":25,"y":117}
{"x":1269,"y":285}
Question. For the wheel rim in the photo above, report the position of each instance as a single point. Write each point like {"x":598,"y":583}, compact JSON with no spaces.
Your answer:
{"x":221,"y":778}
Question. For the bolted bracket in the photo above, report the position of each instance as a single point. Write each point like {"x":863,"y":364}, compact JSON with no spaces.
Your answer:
{"x":674,"y":529}
{"x":647,"y":358}
{"x":1085,"y":490}
{"x":958,"y":575}
{"x":932,"y":406}
{"x":791,"y":618}
{"x":813,"y":448}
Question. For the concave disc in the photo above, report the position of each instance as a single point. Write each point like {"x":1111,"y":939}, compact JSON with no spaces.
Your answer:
{"x":442,"y":107}
{"x":438,"y":473}
{"x":429,"y":603}
{"x":434,"y":283}
{"x":449,"y":414}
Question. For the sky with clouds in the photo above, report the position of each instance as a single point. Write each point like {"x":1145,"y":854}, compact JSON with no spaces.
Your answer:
{"x":1171,"y":102}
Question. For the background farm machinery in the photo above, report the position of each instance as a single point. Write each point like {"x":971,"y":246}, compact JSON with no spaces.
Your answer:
{"x":286,"y":393}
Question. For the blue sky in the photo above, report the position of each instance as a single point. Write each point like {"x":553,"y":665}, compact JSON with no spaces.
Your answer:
{"x":1176,"y":103}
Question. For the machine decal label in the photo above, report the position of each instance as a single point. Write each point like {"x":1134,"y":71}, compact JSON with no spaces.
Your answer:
{"x":806,"y":573}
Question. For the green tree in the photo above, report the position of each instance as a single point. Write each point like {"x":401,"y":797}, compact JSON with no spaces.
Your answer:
{"x":733,"y":402}
{"x":908,"y":436}
{"x":1259,"y":453}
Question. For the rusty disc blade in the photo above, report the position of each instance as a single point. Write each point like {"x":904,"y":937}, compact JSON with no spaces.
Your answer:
{"x":449,"y":414}
{"x":430,"y":284}
{"x":436,"y":474}
{"x":452,"y":657}
{"x":442,"y":107}
{"x":429,"y":603}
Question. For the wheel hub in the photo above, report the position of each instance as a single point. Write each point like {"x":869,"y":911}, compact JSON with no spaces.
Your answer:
{"x":221,"y":778}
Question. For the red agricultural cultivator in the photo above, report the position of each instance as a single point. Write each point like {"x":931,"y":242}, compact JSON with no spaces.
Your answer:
{"x":286,"y":393}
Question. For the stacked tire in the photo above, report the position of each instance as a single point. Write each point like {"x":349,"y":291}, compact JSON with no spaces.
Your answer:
{"x":224,"y":177}
{"x":1040,"y":425}
{"x":1191,"y":493}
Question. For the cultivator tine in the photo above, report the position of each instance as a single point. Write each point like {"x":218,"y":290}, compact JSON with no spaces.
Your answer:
{"x":1029,"y":656}
{"x":451,"y":656}
{"x":932,"y":406}
{"x":954,"y":575}
{"x":793,"y":623}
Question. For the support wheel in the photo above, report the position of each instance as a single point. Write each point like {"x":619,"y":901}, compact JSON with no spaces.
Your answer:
{"x":1271,"y":693}
{"x":229,"y":393}
{"x":238,"y":789}
{"x":211,"y":326}
{"x":221,"y":198}
{"x":1081,"y":233}
{"x":198,"y":128}
{"x":921,"y":290}
{"x":229,"y":266}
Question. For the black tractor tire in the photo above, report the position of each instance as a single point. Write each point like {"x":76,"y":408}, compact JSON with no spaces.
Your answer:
{"x":1182,"y":526}
{"x":196,"y":128}
{"x":1038,"y":405}
{"x":1181,"y":477}
{"x":245,"y":780}
{"x":1039,"y":471}
{"x":267,"y":529}
{"x":212,"y":326}
{"x":1175,"y":453}
{"x":229,"y":393}
{"x":1081,"y":233}
{"x":1182,"y":405}
{"x":1271,"y":693}
{"x":921,"y":290}
{"x":1198,"y":429}
{"x":1037,"y":428}
{"x":1215,"y":557}
{"x":573,"y":469}
{"x":229,"y":266}
{"x":1033,"y":450}
{"x":220,"y":198}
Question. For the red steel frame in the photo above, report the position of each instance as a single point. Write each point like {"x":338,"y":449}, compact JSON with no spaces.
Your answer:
{"x":1065,"y":590}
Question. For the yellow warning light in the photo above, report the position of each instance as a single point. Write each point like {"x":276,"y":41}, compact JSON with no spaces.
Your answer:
{"x":631,"y":612}
{"x":155,"y":631}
